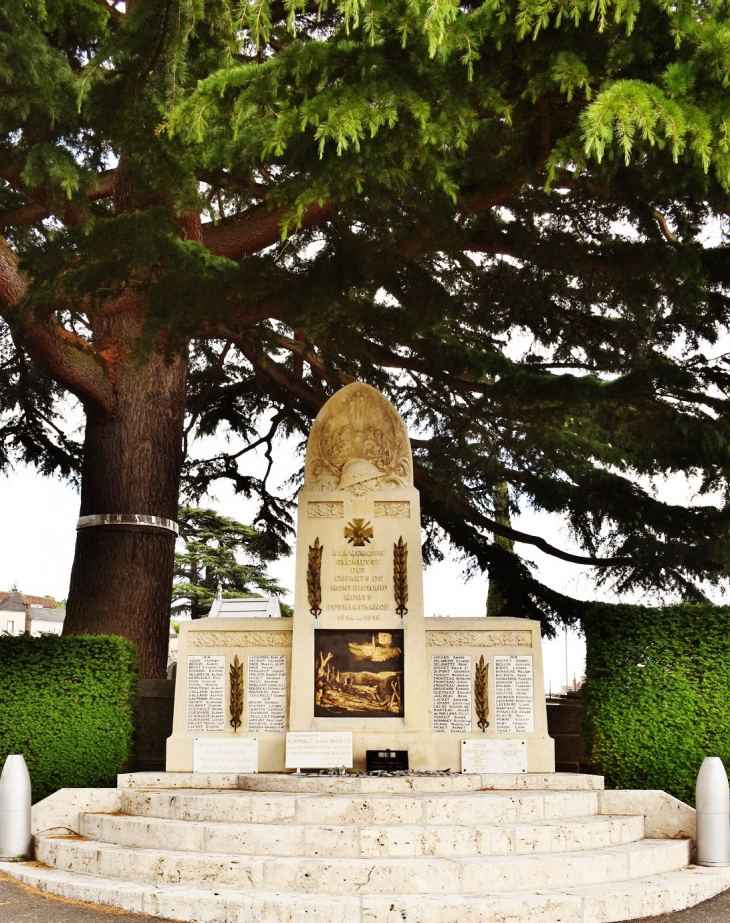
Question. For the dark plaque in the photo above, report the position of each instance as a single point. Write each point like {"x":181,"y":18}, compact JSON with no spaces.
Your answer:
{"x":386,"y":760}
{"x":358,"y":674}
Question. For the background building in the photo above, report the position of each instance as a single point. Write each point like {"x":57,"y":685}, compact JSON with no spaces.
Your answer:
{"x":37,"y":615}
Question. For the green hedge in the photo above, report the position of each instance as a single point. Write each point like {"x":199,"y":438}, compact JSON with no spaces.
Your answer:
{"x":67,"y":704}
{"x":657,"y":694}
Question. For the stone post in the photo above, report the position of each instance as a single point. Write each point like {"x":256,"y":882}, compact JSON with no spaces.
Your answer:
{"x":15,"y":839}
{"x":713,"y":813}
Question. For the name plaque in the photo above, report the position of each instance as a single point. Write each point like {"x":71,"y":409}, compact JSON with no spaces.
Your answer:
{"x":266,"y":693}
{"x":451,"y":675}
{"x":206,"y":693}
{"x":318,"y":750}
{"x":513,"y":695}
{"x":229,"y":754}
{"x":494,"y":756}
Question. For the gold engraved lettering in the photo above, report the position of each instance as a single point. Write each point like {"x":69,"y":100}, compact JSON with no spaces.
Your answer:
{"x":392,"y":508}
{"x":240,"y":638}
{"x":317,"y":509}
{"x":481,"y":638}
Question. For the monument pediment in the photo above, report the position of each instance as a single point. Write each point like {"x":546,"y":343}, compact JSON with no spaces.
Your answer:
{"x":358,"y":442}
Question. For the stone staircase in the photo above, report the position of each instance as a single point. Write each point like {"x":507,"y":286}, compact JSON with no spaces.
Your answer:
{"x":417,"y":849}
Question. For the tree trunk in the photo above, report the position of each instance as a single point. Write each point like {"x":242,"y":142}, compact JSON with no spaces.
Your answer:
{"x":495,"y":595}
{"x":121,"y":581}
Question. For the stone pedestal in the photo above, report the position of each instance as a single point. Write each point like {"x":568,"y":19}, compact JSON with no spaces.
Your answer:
{"x":198,"y":715}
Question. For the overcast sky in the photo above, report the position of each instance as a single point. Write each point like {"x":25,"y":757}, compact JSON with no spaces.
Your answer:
{"x":39,"y":519}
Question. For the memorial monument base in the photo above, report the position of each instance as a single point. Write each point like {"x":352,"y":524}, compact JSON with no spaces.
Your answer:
{"x":516,"y":713}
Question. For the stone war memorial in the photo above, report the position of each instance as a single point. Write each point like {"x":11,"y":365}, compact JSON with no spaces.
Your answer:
{"x":359,"y":668}
{"x":361,"y":763}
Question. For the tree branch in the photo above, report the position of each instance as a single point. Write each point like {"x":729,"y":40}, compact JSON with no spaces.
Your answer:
{"x":663,"y":226}
{"x":40,"y":206}
{"x":12,"y":285}
{"x":65,"y":357}
{"x":428,"y":483}
{"x":239,"y":237}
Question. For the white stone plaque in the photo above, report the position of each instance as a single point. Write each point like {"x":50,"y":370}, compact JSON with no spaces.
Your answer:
{"x":318,"y":749}
{"x":451,"y":693}
{"x":514,"y":711}
{"x":206,"y":693}
{"x":266,"y":687}
{"x":226,"y":754}
{"x":494,"y":756}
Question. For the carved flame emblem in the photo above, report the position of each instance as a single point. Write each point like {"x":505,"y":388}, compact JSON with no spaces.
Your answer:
{"x":358,"y":532}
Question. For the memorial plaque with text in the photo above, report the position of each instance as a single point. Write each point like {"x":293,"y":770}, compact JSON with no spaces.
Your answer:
{"x":513,"y":695}
{"x":206,"y":693}
{"x":225,"y":754}
{"x":266,"y":687}
{"x":451,"y":693}
{"x":494,"y":756}
{"x":318,"y":750}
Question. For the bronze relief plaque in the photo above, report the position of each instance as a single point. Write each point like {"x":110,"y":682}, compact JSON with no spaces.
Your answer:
{"x":358,"y":674}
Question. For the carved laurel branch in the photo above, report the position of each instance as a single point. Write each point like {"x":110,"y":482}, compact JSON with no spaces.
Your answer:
{"x":480,"y":693}
{"x":400,"y":576}
{"x":236,"y":674}
{"x":314,"y":578}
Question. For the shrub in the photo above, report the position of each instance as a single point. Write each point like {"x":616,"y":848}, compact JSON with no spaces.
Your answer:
{"x":656,"y":694}
{"x":67,"y":704}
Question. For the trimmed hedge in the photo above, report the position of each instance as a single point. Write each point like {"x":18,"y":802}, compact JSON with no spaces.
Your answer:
{"x":67,"y":704}
{"x":656,"y":700}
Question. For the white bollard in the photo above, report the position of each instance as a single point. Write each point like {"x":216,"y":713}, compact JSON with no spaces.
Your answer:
{"x":713,"y":813}
{"x":15,"y":837}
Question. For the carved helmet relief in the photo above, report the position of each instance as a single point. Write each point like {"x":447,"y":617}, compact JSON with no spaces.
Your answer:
{"x":358,"y":442}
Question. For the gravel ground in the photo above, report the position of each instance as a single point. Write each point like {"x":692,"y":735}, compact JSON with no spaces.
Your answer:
{"x":21,"y":904}
{"x":716,"y":910}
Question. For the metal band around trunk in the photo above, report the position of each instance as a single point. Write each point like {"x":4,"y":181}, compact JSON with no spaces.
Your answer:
{"x":127,"y":519}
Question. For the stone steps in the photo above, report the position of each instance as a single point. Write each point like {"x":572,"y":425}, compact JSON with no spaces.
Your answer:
{"x":430,"y":783}
{"x":600,"y":903}
{"x":592,"y":832}
{"x":525,"y":848}
{"x":348,"y":876}
{"x":477,"y":808}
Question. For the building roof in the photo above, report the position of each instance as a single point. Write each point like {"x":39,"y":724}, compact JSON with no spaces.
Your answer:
{"x":45,"y":601}
{"x":12,"y":603}
{"x":37,"y":613}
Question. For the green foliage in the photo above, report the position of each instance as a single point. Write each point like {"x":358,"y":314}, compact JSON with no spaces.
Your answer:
{"x":213,"y":545}
{"x":513,"y":245}
{"x":68,"y":708}
{"x":414,"y":86}
{"x":656,"y":693}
